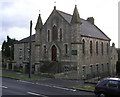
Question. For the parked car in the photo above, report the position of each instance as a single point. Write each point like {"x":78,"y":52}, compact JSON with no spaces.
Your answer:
{"x":108,"y":87}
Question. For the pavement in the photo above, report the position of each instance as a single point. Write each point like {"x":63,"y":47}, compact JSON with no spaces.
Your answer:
{"x":52,"y":81}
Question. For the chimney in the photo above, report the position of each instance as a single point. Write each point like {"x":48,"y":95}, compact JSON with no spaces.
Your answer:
{"x":113,"y":44}
{"x":91,"y":20}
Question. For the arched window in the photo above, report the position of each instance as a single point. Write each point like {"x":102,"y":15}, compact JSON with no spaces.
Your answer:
{"x":54,"y":33}
{"x":97,"y":47}
{"x":102,"y":68}
{"x":48,"y":33}
{"x":102,"y":48}
{"x":45,"y":49}
{"x":91,"y":48}
{"x":60,"y":34}
{"x":66,"y":48}
{"x":97,"y":70}
{"x":83,"y":46}
{"x":107,"y":48}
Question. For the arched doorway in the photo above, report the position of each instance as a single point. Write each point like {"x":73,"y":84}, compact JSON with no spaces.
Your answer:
{"x":54,"y":53}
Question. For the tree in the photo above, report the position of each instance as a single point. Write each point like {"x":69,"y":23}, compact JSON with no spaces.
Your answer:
{"x":8,"y":49}
{"x":118,"y":50}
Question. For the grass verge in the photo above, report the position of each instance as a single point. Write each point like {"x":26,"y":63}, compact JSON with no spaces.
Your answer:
{"x":21,"y":77}
{"x":87,"y":88}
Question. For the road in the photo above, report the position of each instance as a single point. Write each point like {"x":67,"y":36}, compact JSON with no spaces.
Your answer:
{"x":19,"y":87}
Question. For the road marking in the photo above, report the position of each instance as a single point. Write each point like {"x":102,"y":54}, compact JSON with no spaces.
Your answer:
{"x":3,"y":87}
{"x":48,"y":85}
{"x":57,"y":87}
{"x":44,"y":85}
{"x":25,"y":81}
{"x":36,"y":94}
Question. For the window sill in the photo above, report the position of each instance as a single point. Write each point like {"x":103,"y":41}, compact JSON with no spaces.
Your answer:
{"x":66,"y":55}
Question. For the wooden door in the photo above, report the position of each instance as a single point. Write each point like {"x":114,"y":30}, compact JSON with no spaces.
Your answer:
{"x":54,"y":53}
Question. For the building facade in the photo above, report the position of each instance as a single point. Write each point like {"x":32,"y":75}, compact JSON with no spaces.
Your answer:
{"x":68,"y":43}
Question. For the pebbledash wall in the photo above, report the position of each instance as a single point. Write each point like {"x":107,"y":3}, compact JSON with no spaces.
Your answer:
{"x":77,"y":44}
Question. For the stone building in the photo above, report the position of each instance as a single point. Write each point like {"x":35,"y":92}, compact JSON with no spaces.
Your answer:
{"x":68,"y":43}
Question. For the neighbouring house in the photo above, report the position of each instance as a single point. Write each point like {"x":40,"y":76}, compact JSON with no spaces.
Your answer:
{"x":66,"y":43}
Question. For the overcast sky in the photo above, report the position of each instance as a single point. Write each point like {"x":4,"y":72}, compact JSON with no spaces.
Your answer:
{"x":15,"y":15}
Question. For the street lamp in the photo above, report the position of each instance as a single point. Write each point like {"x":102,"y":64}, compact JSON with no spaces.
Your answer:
{"x":30,"y":57}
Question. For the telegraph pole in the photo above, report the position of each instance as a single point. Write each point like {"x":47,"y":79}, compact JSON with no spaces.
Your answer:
{"x":30,"y":57}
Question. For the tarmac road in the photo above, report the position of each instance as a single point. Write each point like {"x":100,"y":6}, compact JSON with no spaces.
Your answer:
{"x":19,"y":87}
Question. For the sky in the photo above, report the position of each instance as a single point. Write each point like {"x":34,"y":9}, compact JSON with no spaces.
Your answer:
{"x":16,"y":15}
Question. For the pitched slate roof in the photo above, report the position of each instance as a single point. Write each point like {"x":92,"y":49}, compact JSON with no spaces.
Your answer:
{"x":87,"y":29}
{"x":27,"y":39}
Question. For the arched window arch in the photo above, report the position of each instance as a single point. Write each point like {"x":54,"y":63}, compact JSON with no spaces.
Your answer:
{"x":54,"y":33}
{"x":83,"y":46}
{"x":97,"y":47}
{"x":91,"y":48}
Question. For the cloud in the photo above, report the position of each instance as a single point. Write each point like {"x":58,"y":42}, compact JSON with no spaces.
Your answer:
{"x":16,"y":14}
{"x":15,"y":18}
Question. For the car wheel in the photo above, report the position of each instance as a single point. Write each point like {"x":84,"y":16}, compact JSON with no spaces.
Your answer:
{"x":102,"y":95}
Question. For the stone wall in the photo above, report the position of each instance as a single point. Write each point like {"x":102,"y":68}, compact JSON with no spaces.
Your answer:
{"x":94,"y":61}
{"x":21,"y":54}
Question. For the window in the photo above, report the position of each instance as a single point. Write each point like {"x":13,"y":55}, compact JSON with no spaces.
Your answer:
{"x":83,"y":72}
{"x":91,"y":48}
{"x":102,"y":68}
{"x":102,"y":48}
{"x":48,"y":37}
{"x":45,"y":49}
{"x":20,"y":53}
{"x":97,"y":47}
{"x":54,"y":33}
{"x":107,"y":48}
{"x":91,"y":70}
{"x":20,"y":49}
{"x":112,"y":84}
{"x":60,"y":34}
{"x":97,"y":70}
{"x":83,"y":46}
{"x":20,"y":57}
{"x":66,"y":48}
{"x":66,"y":68}
{"x":108,"y":67}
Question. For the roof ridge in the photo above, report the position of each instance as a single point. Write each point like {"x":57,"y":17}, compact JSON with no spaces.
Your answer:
{"x":69,"y":14}
{"x":64,"y":12}
{"x":26,"y":39}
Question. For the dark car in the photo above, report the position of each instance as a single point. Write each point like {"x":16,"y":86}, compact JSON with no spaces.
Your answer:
{"x":109,"y":87}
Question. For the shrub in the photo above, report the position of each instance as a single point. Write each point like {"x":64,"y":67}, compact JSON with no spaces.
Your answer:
{"x":118,"y":67}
